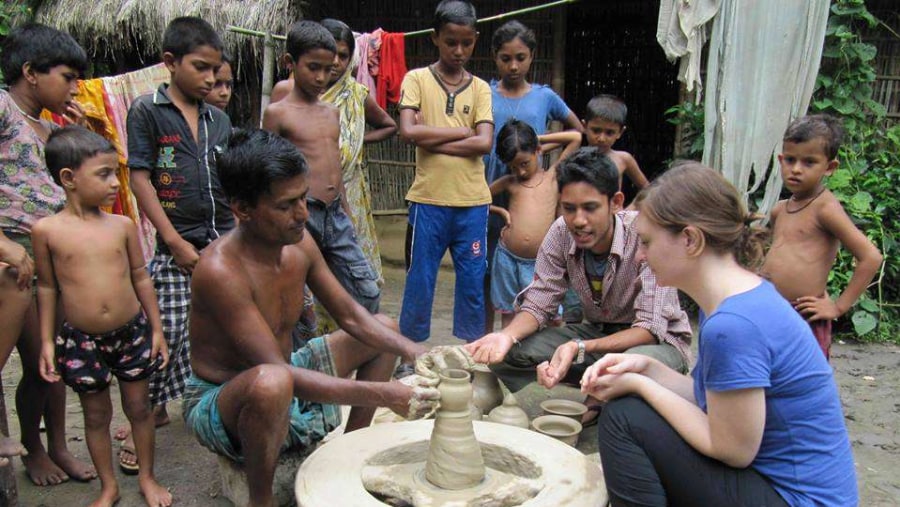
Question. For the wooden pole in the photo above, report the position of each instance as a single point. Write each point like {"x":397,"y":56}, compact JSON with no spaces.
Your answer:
{"x":268,"y":77}
{"x":9,"y":496}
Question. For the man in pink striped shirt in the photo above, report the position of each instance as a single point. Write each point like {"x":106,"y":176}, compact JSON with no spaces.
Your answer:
{"x":592,"y":248}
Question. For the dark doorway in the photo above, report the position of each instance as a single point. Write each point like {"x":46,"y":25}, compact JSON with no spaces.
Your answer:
{"x":611,"y":48}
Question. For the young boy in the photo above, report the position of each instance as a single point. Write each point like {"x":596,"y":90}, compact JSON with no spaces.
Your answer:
{"x":604,"y":124}
{"x":93,"y":261}
{"x":810,"y":226}
{"x":446,"y":112}
{"x":533,"y":197}
{"x":173,"y":136}
{"x":314,"y":127}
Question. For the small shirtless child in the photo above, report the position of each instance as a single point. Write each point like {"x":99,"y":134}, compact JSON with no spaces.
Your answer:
{"x":533,"y":197}
{"x":811,"y":225}
{"x":93,"y":261}
{"x":314,"y":127}
{"x":604,"y":124}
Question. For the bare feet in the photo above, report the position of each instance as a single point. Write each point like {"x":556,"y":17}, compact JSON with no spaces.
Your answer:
{"x":10,"y":447}
{"x":154,"y":494}
{"x":160,"y":416}
{"x":107,"y":498}
{"x":42,"y":470}
{"x":73,"y":467}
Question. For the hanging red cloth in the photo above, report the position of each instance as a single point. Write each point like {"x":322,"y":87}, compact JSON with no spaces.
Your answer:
{"x":392,"y":69}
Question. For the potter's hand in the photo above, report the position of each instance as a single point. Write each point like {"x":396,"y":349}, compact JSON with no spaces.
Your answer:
{"x":440,"y":358}
{"x":491,"y":348}
{"x":550,"y":373}
{"x":421,"y":398}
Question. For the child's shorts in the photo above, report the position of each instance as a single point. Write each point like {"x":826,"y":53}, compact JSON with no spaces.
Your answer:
{"x":510,"y":274}
{"x":87,"y":362}
{"x":822,"y":331}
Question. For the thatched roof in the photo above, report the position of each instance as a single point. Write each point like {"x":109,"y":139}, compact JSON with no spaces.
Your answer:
{"x":110,"y":27}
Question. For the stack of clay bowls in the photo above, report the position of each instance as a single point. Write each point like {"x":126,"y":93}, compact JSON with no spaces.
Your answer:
{"x":561,"y":420}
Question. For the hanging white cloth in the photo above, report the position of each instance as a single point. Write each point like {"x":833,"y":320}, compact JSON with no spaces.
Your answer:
{"x":763,"y":60}
{"x":681,"y":31}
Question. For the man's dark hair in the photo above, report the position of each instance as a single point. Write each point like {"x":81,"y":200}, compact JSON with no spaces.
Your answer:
{"x":70,"y":146}
{"x":254,"y":161}
{"x":457,"y":12}
{"x":512,"y":30}
{"x":590,"y":166}
{"x":187,"y":33}
{"x":341,"y":33}
{"x":607,"y":107}
{"x":514,"y":137}
{"x":41,"y":46}
{"x":823,"y":126}
{"x":305,"y":36}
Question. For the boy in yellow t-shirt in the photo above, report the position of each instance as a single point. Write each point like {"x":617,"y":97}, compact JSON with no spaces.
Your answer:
{"x":446,"y":112}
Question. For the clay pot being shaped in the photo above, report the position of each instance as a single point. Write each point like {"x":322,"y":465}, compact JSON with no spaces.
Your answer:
{"x":454,"y":457}
{"x":559,"y":427}
{"x":486,"y":389}
{"x":509,"y":413}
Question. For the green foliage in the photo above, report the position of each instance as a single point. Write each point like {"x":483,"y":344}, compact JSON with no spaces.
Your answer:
{"x":9,"y":13}
{"x":869,"y":174}
{"x":688,"y":116}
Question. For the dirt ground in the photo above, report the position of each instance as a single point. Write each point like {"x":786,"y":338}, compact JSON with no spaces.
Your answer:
{"x":868,"y":377}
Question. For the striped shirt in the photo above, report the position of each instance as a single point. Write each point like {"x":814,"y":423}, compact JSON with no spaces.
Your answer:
{"x":630,"y":294}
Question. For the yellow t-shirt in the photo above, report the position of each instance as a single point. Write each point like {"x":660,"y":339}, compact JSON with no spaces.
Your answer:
{"x":446,"y":180}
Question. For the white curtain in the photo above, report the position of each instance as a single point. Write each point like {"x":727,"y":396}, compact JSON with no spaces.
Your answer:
{"x":681,"y":31}
{"x":763,"y":60}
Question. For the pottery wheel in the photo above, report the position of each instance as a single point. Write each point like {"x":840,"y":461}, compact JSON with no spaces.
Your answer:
{"x":391,"y":459}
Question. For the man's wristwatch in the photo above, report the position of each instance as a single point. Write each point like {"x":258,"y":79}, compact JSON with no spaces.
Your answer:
{"x":579,"y":358}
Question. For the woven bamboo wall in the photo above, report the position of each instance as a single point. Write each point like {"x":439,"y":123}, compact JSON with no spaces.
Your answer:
{"x":886,"y":89}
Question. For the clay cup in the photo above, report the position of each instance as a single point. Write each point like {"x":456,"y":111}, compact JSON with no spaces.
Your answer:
{"x":566,"y":408}
{"x":562,"y":428}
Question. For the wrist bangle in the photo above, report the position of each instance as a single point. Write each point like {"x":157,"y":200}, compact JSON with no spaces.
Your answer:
{"x":513,"y":338}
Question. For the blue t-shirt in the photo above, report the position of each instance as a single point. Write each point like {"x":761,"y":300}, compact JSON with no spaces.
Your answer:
{"x":537,"y":108}
{"x":757,"y":340}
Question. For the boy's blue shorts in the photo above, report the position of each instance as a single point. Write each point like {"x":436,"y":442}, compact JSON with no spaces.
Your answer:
{"x":510,"y":274}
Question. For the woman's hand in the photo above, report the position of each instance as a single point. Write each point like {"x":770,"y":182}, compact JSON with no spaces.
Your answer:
{"x":616,"y":364}
{"x":614,"y":385}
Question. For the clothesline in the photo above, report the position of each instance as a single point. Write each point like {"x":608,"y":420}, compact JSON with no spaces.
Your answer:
{"x":526,"y":10}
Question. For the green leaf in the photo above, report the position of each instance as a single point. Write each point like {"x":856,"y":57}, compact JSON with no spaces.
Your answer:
{"x":868,"y":305}
{"x":866,"y":52}
{"x":861,"y":202}
{"x":840,"y":179}
{"x":863,"y":322}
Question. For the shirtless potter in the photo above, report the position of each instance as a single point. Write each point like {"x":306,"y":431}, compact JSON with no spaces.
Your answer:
{"x":247,"y":296}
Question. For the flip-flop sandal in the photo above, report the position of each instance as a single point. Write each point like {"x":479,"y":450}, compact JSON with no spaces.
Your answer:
{"x":592,"y":415}
{"x":126,"y":467}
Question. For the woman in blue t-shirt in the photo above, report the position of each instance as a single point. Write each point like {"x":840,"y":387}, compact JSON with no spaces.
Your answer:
{"x":513,"y":46}
{"x":760,"y":422}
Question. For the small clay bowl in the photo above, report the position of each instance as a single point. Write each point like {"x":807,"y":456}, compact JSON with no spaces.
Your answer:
{"x":566,"y":408}
{"x":562,"y":428}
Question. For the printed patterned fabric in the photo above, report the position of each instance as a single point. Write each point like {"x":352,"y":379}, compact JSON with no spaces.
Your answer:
{"x":27,"y":192}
